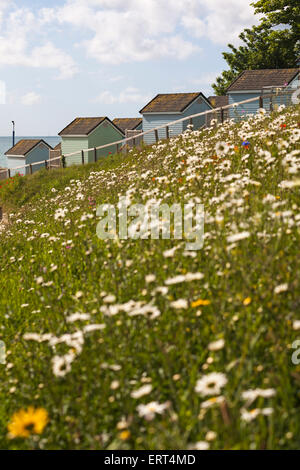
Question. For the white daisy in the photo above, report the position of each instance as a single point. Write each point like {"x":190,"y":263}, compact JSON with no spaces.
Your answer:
{"x":179,"y":304}
{"x":141,"y":392}
{"x":151,"y":409}
{"x":211,"y":384}
{"x":222,"y":148}
{"x":216,"y":345}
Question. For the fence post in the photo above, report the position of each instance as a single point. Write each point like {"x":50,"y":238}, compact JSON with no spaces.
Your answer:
{"x":46,"y":164}
{"x":261,"y":102}
{"x":30,"y":169}
{"x":167,"y":132}
{"x":95,"y":154}
{"x":118,"y":148}
{"x":133,"y":142}
{"x":8,"y":171}
{"x":222,"y":115}
{"x":156,"y":135}
{"x":191,"y":121}
{"x":82,"y":157}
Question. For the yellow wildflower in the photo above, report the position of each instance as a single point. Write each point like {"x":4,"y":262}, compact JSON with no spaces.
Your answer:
{"x":124,"y":435}
{"x":26,"y":422}
{"x":247,"y":301}
{"x":199,"y":302}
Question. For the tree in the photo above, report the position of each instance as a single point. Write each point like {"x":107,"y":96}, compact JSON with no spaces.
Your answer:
{"x":263,"y":46}
{"x":280,"y":12}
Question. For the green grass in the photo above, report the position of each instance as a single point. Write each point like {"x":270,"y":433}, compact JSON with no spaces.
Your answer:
{"x":46,"y":278}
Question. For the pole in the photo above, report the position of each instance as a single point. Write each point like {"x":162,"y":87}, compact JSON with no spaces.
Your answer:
{"x":13,"y":135}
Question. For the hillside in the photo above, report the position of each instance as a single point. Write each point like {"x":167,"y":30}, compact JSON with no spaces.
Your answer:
{"x":142,"y":344}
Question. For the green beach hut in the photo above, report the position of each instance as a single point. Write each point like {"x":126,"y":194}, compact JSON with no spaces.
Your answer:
{"x":87,"y":133}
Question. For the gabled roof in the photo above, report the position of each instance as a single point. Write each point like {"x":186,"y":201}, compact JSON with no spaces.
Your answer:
{"x":85,"y":125}
{"x":57,"y":147}
{"x":171,"y":103}
{"x":257,"y":79}
{"x":82,"y":126}
{"x":218,"y":101}
{"x":24,"y":146}
{"x":127,"y":123}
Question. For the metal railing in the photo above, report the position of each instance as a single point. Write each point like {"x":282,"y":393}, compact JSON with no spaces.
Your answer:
{"x":221,"y":111}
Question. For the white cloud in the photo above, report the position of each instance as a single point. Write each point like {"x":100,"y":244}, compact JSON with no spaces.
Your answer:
{"x":129,"y":95}
{"x":21,"y":29}
{"x":138,"y":30}
{"x":117,"y":31}
{"x":131,"y":31}
{"x":218,"y":21}
{"x":30,"y":99}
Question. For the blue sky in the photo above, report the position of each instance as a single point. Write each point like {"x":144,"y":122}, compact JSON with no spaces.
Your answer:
{"x":69,"y":58}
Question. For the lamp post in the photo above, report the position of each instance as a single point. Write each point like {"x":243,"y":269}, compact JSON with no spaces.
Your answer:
{"x":13,"y":134}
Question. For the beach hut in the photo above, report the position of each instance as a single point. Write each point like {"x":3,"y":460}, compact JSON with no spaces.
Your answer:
{"x":88,"y":133}
{"x":131,"y":127}
{"x":129,"y":124}
{"x":254,"y":83}
{"x":25,"y":152}
{"x":55,"y":162}
{"x":165,"y":108}
{"x":218,"y":102}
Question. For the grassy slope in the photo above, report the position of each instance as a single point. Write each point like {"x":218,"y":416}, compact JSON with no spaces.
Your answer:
{"x":170,"y":352}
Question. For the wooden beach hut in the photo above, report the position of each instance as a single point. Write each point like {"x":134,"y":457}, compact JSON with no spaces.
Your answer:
{"x":131,"y":127}
{"x":87,"y":133}
{"x":165,"y":108}
{"x":25,"y":152}
{"x":254,"y":83}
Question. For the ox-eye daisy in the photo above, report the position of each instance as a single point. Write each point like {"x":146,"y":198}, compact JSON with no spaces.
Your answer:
{"x":211,"y":384}
{"x":151,"y":409}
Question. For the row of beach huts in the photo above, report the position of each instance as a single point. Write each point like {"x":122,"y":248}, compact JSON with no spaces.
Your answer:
{"x":90,"y":132}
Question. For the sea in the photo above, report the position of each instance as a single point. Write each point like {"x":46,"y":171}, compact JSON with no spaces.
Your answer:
{"x":6,"y":144}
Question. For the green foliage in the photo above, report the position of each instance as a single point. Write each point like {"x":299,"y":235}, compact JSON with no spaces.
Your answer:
{"x":52,"y":269}
{"x":264,"y":47}
{"x":280,"y":12}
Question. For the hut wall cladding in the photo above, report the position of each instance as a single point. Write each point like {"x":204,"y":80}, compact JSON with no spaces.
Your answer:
{"x":150,"y":121}
{"x":251,"y":108}
{"x":38,"y":154}
{"x":198,"y":106}
{"x":74,"y":144}
{"x":241,"y":111}
{"x":104,"y":134}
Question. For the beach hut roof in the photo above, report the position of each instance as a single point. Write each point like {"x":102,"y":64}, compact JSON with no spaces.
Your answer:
{"x":24,"y":146}
{"x":257,"y":79}
{"x":127,"y":123}
{"x":218,"y":101}
{"x":84,"y":126}
{"x":171,"y":102}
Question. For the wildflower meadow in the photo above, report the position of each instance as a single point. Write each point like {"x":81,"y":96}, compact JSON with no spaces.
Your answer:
{"x":140,"y":343}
